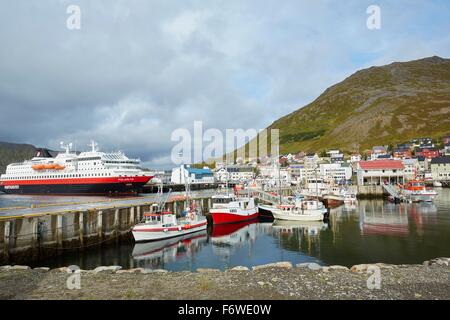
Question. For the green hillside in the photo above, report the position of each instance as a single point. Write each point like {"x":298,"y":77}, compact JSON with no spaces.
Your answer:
{"x":376,"y":106}
{"x":12,"y":152}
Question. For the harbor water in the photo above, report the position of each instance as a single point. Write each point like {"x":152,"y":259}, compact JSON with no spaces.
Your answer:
{"x":367,"y":232}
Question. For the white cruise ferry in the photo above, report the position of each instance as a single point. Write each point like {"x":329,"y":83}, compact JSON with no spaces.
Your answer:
{"x":91,"y":172}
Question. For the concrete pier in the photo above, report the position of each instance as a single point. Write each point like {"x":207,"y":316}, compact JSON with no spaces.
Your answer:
{"x":30,"y":236}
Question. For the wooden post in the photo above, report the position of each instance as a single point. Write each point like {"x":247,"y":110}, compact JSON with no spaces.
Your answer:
{"x":138,"y":213}
{"x":59,"y":231}
{"x":34,"y":237}
{"x":100,"y":225}
{"x":81,"y":227}
{"x":116,"y":224}
{"x":6,"y":239}
{"x":132,"y":217}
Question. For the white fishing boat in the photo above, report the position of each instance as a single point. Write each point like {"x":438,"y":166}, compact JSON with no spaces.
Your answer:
{"x":164,"y":225}
{"x":416,"y":191}
{"x":166,"y":250}
{"x":302,"y":210}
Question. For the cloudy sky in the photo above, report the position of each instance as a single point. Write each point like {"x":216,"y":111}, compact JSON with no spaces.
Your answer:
{"x":137,"y":70}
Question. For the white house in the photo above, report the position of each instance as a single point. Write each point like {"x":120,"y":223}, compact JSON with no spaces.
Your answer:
{"x":440,"y":168}
{"x":337,"y":172}
{"x":274,"y":173}
{"x":378,"y":152}
{"x":310,"y":160}
{"x":296,"y":173}
{"x":412,"y":168}
{"x":235,"y":173}
{"x":183,"y":172}
{"x":378,"y":172}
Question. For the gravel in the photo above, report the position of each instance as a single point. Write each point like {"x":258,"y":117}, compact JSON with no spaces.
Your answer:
{"x":430,"y":280}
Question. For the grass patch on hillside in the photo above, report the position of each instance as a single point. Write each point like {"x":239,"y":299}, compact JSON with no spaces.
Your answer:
{"x":301,"y":136}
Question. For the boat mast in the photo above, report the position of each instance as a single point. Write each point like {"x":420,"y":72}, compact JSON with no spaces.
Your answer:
{"x":279,"y":180}
{"x":317,"y":185}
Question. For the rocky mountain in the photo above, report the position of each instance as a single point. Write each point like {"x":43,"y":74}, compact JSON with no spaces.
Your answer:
{"x":375,"y":106}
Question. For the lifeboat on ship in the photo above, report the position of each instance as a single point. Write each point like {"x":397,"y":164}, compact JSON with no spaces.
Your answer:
{"x":59,"y":167}
{"x":37,"y":167}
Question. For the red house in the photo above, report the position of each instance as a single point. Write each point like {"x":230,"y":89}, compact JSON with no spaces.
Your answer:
{"x":427,"y":153}
{"x":403,"y":153}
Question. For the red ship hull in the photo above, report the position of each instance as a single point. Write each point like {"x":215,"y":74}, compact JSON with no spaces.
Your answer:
{"x":222,"y":218}
{"x":76,"y":186}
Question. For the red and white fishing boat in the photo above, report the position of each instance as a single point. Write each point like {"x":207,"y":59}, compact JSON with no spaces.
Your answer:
{"x":164,"y":225}
{"x":230,"y":208}
{"x":416,"y":191}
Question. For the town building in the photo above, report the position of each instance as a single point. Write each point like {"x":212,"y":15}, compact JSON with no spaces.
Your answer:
{"x":440,"y":168}
{"x":355,"y":157}
{"x":273,"y":173}
{"x":378,"y":172}
{"x":402,"y":153}
{"x":235,"y":173}
{"x":447,"y":149}
{"x":412,"y":168}
{"x":310,"y":160}
{"x":185,"y":173}
{"x":336,"y":156}
{"x":378,"y":152}
{"x":296,"y":173}
{"x":423,"y":164}
{"x":428,"y":153}
{"x":340,"y":173}
{"x":164,"y":177}
{"x":422,"y":143}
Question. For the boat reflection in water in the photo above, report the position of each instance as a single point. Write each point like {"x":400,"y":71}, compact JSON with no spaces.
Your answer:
{"x":302,"y":237}
{"x":396,"y":219}
{"x":383,"y":219}
{"x":226,"y":238}
{"x":156,"y":254}
{"x":310,"y":228}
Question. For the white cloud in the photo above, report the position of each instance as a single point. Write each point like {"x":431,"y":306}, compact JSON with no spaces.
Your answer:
{"x":137,"y":70}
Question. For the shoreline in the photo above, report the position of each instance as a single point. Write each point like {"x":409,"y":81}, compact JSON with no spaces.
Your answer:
{"x":281,"y":280}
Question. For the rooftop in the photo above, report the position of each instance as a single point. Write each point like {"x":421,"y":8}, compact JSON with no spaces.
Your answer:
{"x":382,"y":165}
{"x":441,"y":160}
